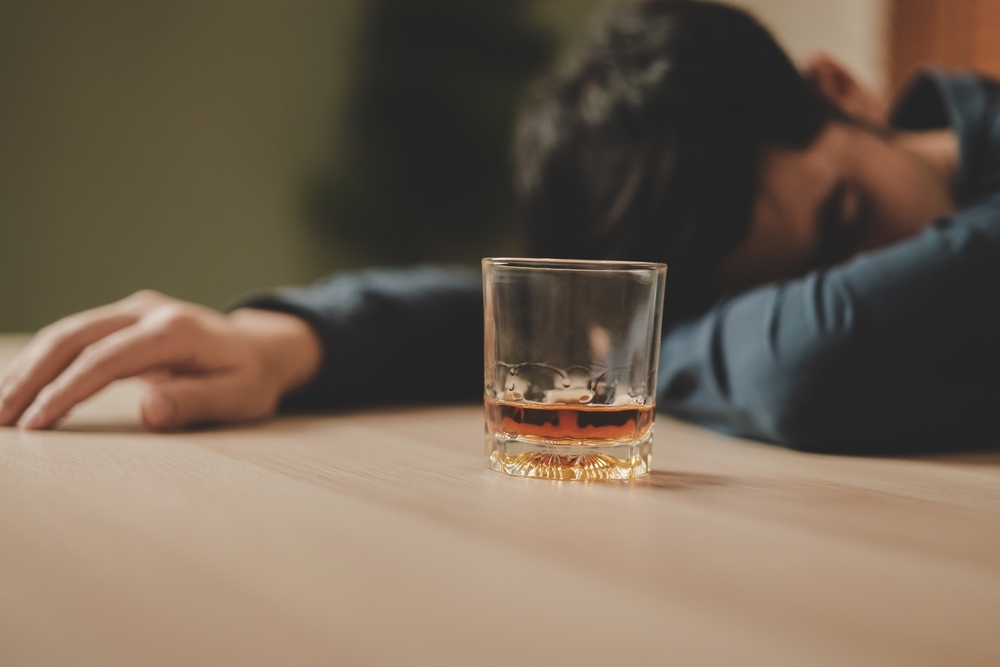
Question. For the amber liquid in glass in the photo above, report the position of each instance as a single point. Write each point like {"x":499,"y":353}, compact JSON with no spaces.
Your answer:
{"x":569,"y":440}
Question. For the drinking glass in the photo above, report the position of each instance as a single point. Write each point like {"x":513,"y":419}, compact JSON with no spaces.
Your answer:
{"x":571,"y":352}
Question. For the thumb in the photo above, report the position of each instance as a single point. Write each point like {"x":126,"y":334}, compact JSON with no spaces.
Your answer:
{"x":187,"y":401}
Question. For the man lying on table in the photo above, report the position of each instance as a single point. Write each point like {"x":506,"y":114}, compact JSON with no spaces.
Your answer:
{"x":834,"y":279}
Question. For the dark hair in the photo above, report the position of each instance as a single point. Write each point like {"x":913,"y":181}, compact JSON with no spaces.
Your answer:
{"x":646,"y":146}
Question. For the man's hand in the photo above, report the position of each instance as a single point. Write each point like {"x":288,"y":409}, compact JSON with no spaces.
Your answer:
{"x":201,"y":365}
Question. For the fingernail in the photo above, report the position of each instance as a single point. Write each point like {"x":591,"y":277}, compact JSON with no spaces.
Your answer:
{"x":159,"y":410}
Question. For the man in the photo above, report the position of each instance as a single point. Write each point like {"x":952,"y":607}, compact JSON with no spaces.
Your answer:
{"x":833,"y":283}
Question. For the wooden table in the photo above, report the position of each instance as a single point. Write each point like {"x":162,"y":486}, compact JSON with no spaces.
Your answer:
{"x":379,"y":537}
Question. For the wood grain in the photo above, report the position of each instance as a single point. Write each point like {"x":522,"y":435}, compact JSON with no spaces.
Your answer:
{"x":379,"y":537}
{"x":953,"y":34}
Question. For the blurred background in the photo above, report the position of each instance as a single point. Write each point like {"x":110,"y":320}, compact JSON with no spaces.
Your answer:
{"x":210,"y":148}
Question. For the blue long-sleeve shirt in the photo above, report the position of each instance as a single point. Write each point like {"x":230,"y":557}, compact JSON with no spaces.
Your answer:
{"x":897,"y":350}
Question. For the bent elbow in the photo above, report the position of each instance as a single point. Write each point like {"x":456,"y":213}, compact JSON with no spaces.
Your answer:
{"x":802,"y":423}
{"x":802,"y":407}
{"x":825,"y":413}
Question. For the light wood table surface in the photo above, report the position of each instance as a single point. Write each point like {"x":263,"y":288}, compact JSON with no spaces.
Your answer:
{"x":379,"y":537}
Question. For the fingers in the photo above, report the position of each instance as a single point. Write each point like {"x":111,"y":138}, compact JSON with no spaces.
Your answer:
{"x":52,"y":350}
{"x":121,"y":354}
{"x":203,"y":366}
{"x":217,"y":398}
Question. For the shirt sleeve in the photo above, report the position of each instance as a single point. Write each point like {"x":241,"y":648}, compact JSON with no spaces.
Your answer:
{"x":389,"y":335}
{"x":896,"y":351}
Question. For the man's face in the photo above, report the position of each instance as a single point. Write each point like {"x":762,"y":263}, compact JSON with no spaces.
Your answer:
{"x":852,"y":190}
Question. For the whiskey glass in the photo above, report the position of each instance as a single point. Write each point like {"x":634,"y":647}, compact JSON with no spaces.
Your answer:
{"x":571,"y":353}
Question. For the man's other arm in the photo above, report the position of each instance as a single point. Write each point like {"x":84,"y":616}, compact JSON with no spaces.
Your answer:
{"x":896,"y":351}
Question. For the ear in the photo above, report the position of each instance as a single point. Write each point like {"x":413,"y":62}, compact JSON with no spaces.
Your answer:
{"x":839,"y":85}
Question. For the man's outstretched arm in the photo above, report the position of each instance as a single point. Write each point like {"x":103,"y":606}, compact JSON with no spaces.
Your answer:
{"x":366,"y":337}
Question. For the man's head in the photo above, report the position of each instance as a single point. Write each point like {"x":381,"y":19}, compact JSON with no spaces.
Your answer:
{"x":682,"y":133}
{"x":856,"y":187}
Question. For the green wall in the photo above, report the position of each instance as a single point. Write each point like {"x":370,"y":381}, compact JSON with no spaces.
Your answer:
{"x":168,"y":145}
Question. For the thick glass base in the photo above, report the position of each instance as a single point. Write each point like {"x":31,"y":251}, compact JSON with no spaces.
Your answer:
{"x":538,"y":457}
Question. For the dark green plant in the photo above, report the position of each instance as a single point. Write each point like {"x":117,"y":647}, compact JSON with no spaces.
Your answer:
{"x":425,"y":174}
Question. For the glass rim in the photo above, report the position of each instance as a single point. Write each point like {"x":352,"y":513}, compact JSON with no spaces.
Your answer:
{"x":572,"y":264}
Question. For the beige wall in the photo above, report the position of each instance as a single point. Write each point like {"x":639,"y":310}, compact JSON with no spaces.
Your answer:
{"x":167,"y":145}
{"x":851,"y":30}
